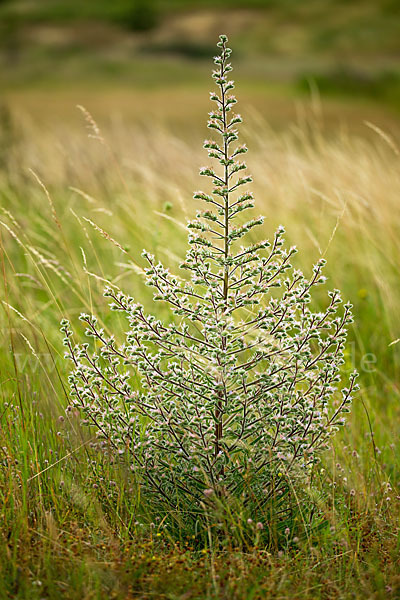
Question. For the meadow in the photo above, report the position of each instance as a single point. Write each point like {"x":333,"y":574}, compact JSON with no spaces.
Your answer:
{"x":71,"y":531}
{"x":81,"y":195}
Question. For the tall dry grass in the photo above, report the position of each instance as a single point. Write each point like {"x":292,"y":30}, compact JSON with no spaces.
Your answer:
{"x":77,"y":211}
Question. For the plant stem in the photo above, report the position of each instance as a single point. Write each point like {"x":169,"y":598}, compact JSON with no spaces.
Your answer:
{"x":219,"y":424}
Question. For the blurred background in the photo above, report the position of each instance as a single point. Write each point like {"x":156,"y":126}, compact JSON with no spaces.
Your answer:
{"x":151,"y":58}
{"x":318,"y":83}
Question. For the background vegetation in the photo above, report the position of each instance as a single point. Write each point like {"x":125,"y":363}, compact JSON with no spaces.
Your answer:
{"x":318,"y":85}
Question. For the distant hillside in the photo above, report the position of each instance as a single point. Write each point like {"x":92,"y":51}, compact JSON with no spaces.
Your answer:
{"x":358,"y":27}
{"x":344,"y":47}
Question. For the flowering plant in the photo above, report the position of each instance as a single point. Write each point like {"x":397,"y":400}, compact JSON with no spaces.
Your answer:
{"x":235,"y":395}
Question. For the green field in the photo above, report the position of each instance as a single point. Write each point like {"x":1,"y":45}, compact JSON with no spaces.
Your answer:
{"x":78,"y":205}
{"x":347,"y":48}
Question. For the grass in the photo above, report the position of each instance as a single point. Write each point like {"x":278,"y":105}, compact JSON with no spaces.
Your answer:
{"x":72,"y":523}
